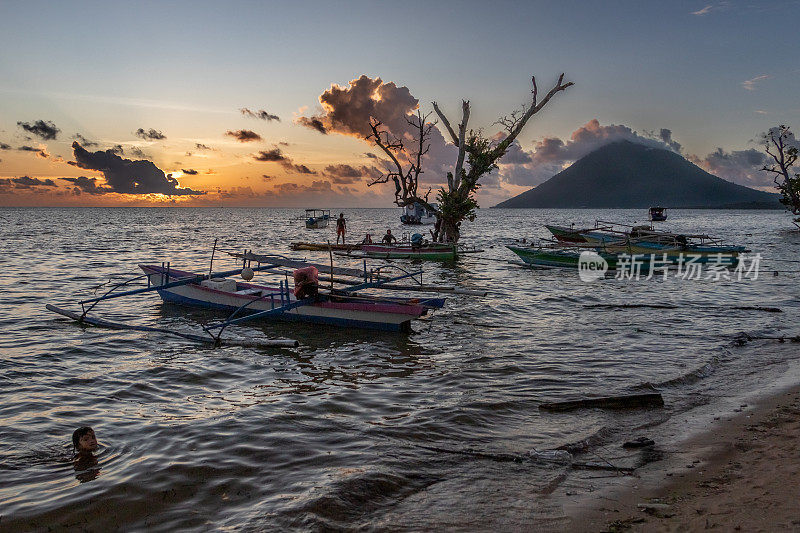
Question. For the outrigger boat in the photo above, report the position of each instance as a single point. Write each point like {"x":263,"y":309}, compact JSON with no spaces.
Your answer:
{"x":569,"y":257}
{"x":428,"y":252}
{"x":405,"y":250}
{"x":317,"y":218}
{"x":613,"y":237}
{"x":341,"y":307}
{"x":323,"y":247}
{"x":350,"y":305}
{"x":543,"y":257}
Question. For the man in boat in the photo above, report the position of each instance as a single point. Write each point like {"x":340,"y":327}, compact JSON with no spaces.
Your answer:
{"x":306,"y":282}
{"x":341,"y":227}
{"x":388,"y":238}
{"x":367,"y":239}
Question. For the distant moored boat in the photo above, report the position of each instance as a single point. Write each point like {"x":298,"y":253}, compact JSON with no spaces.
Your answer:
{"x":317,"y":218}
{"x":658,"y":214}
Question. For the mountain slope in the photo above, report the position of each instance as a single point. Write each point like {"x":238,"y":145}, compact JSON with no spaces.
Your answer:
{"x":629,"y":175}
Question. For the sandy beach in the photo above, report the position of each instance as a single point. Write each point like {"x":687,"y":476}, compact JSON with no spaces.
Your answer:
{"x":741,"y":475}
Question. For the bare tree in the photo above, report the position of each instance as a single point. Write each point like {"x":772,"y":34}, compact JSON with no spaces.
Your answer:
{"x":781,"y":146}
{"x":407,"y":163}
{"x":477,"y":156}
{"x":458,"y":202}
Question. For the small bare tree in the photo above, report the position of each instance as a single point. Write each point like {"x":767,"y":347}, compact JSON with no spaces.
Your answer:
{"x":407,"y":163}
{"x":477,"y":156}
{"x":780,"y":145}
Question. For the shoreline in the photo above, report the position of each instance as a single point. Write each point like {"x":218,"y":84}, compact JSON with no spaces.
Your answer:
{"x":741,"y":473}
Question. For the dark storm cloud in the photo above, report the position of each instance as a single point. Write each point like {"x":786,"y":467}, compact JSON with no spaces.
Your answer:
{"x":343,"y":173}
{"x":270,"y":155}
{"x":41,"y":128}
{"x":244,"y":135}
{"x":88,"y":185}
{"x":263,"y":115}
{"x":117,"y":149}
{"x":299,"y":168}
{"x":127,"y":176}
{"x":83,"y":140}
{"x":190,"y":171}
{"x":276,"y":156}
{"x":201,"y":146}
{"x":25,"y":182}
{"x":149,"y":135}
{"x":292,"y":189}
{"x":666,"y":136}
{"x":40,"y":152}
{"x":370,"y":155}
{"x":313,"y":123}
{"x":137,"y":152}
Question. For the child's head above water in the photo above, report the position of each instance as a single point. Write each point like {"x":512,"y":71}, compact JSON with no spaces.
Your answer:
{"x":83,"y":440}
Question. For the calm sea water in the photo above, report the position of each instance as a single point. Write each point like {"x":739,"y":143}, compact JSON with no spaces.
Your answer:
{"x":353,"y":429}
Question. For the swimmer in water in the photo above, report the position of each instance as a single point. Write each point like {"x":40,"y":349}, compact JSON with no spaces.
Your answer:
{"x":84,"y":441}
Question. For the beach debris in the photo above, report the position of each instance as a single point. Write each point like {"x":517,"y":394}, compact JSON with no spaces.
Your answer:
{"x":655,"y":509}
{"x":630,"y":401}
{"x":555,"y":457}
{"x":639,"y":442}
{"x":551,"y":456}
{"x":624,"y":525}
{"x":743,"y":338}
{"x":758,"y":308}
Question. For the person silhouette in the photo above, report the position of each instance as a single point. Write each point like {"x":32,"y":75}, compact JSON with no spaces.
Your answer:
{"x":388,"y":238}
{"x":341,"y":228}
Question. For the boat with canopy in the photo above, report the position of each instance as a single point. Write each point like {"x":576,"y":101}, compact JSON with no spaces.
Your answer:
{"x":317,"y":218}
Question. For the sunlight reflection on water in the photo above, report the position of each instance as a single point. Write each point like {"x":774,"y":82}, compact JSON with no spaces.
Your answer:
{"x":338,"y":431}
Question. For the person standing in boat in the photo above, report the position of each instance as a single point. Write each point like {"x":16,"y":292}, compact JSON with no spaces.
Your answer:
{"x":388,"y":238}
{"x":341,"y":228}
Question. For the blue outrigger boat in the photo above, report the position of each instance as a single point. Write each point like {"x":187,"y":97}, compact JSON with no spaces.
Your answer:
{"x":352,"y":304}
{"x":620,"y":238}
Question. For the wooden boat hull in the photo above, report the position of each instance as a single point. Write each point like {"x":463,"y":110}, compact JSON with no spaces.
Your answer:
{"x":390,"y":314}
{"x":543,"y":257}
{"x":569,"y":258}
{"x":615,"y":243}
{"x":317,"y":223}
{"x":426,"y":253}
{"x":565,"y":234}
{"x":323,"y":247}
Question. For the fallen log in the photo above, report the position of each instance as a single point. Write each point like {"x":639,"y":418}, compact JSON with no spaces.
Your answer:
{"x":632,"y":401}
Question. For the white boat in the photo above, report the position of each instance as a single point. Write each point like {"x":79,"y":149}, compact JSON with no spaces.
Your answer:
{"x":417,"y":214}
{"x":317,"y":218}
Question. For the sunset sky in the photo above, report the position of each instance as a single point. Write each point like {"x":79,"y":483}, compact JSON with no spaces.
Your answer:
{"x":202,"y":103}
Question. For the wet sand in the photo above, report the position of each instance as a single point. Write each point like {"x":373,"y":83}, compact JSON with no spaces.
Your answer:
{"x":741,"y":475}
